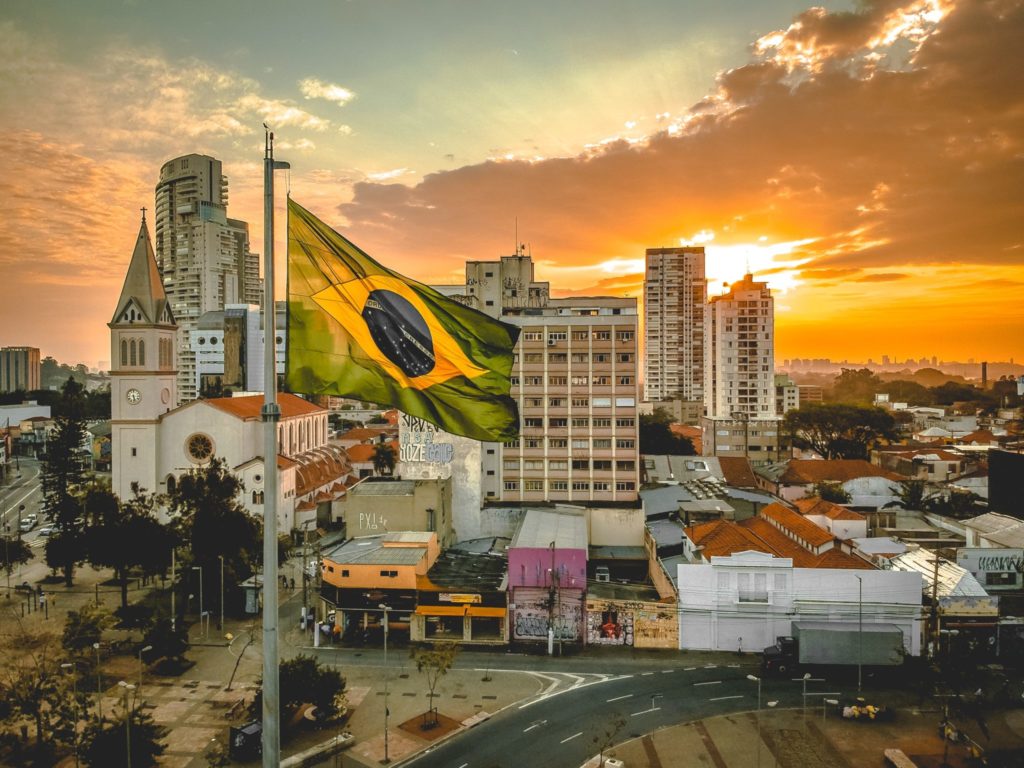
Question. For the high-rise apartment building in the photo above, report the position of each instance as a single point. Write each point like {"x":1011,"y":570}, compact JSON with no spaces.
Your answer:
{"x":19,"y":369}
{"x":675,"y":297}
{"x":739,"y":373}
{"x":228,"y":346}
{"x":203,"y":255}
{"x":575,"y":379}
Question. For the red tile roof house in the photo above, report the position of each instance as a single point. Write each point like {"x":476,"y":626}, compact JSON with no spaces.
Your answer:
{"x":796,"y":478}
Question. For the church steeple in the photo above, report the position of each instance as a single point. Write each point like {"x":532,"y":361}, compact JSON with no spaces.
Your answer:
{"x":143,"y":299}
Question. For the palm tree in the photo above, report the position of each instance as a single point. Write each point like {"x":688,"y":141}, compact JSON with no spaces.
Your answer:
{"x":383,"y":459}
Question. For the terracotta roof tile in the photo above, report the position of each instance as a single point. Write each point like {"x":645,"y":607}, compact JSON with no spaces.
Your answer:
{"x":248,"y":408}
{"x":737,"y":471}
{"x":803,"y":471}
{"x":813,"y":505}
{"x":778,"y":542}
{"x":721,"y":537}
{"x":836,"y":558}
{"x":796,"y":524}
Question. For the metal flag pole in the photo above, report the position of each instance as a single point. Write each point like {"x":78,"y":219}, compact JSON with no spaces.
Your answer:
{"x":270,"y":414}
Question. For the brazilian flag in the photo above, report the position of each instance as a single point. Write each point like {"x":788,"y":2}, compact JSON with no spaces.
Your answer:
{"x":357,"y":329}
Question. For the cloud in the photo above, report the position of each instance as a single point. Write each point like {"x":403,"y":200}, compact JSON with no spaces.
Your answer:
{"x":882,"y":277}
{"x":312,"y":88}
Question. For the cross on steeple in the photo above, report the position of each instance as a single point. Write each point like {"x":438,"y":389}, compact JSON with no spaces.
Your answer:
{"x":143,"y":214}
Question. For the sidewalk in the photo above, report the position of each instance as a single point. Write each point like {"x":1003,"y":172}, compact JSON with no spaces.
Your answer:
{"x":789,"y":740}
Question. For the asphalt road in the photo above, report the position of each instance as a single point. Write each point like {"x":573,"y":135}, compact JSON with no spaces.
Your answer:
{"x":25,"y":490}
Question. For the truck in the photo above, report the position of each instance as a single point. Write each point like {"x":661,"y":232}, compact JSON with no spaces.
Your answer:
{"x":834,"y":643}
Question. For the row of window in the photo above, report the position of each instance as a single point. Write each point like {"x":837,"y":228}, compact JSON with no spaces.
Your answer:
{"x":133,"y":352}
{"x":561,"y":422}
{"x":583,"y":443}
{"x":564,"y":485}
{"x":561,"y":465}
{"x":576,"y":381}
{"x":575,"y":357}
{"x":554,"y":336}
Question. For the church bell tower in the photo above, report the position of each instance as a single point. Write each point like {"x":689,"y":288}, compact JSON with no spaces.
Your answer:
{"x":142,"y":370}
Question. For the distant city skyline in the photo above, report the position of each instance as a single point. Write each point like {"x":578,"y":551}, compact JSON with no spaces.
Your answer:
{"x":826,"y":150}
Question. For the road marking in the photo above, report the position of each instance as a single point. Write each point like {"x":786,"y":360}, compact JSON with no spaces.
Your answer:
{"x":620,"y":698}
{"x":645,"y":711}
{"x":645,"y":674}
{"x":551,"y":694}
{"x":571,"y":737}
{"x":712,"y":682}
{"x":463,"y":765}
{"x":667,"y":671}
{"x":537,"y":724}
{"x":733,"y":666}
{"x":723,"y":698}
{"x":710,"y":666}
{"x":689,"y":669}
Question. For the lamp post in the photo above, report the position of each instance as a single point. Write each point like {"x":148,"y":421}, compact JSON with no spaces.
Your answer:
{"x":860,"y":628}
{"x":221,"y":625}
{"x":174,"y":588}
{"x":833,"y":702}
{"x":99,"y":685}
{"x":200,"y":569}
{"x":142,"y":651}
{"x":757,"y":680}
{"x":387,"y":713}
{"x":127,"y":688}
{"x":74,"y":698}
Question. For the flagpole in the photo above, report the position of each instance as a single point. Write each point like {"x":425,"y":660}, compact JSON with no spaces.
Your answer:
{"x":271,"y":415}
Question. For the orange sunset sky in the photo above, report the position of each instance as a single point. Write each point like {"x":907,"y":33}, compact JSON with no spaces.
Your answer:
{"x":866,"y":158}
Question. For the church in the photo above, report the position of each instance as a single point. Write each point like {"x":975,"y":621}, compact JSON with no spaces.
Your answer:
{"x":155,"y":443}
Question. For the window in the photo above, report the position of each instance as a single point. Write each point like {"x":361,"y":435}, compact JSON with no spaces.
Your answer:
{"x":533,"y":381}
{"x":625,"y":402}
{"x":579,"y":381}
{"x":124,"y":352}
{"x":581,"y":485}
{"x":602,"y":442}
{"x":533,"y":357}
{"x":557,"y":402}
{"x":533,"y":422}
{"x":624,"y":335}
{"x":625,"y":444}
{"x":514,"y":381}
{"x":580,"y":357}
{"x":601,"y":358}
{"x":581,"y":422}
{"x":581,"y":464}
{"x":142,"y":352}
{"x":512,"y":444}
{"x":533,"y":336}
{"x":556,"y":465}
{"x":625,"y":357}
{"x":131,"y":352}
{"x":534,"y":402}
{"x":602,"y":335}
{"x":625,"y":380}
{"x":580,"y":402}
{"x":534,"y":464}
{"x":602,"y":422}
{"x":580,"y":335}
{"x":135,"y":451}
{"x":389,"y":574}
{"x":558,"y":423}
{"x":600,"y":486}
{"x":752,"y":587}
{"x":557,"y":381}
{"x":559,"y":485}
{"x":344,"y":573}
{"x":511,"y":485}
{"x":580,"y":444}
{"x":557,"y":336}
{"x":625,"y":422}
{"x":557,"y":442}
{"x":557,"y":357}
{"x":533,"y":442}
{"x":625,"y":466}
{"x":533,"y":485}
{"x":602,"y":402}
{"x":602,"y":465}
{"x":511,"y":464}
{"x":625,"y":486}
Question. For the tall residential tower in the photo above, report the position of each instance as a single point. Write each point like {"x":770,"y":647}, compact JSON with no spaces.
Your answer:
{"x":203,"y":255}
{"x":675,"y":295}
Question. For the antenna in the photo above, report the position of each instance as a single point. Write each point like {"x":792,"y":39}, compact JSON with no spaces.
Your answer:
{"x":517,"y":236}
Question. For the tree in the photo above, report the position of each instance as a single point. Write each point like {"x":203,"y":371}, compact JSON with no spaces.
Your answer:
{"x":62,"y":472}
{"x":839,"y":430}
{"x":14,"y":552}
{"x":910,"y":392}
{"x":166,"y":641}
{"x":434,"y":662}
{"x":606,"y":737}
{"x":211,"y":522}
{"x":954,"y":503}
{"x":856,"y":386}
{"x":104,"y":743}
{"x":304,"y":680}
{"x":912,"y":494}
{"x":126,"y":535}
{"x":657,"y":439}
{"x":833,"y":492}
{"x":84,"y":627}
{"x":383,"y":459}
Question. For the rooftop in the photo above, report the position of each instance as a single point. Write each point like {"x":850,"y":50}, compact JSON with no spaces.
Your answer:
{"x":807,"y":471}
{"x":814,"y":505}
{"x":802,"y":528}
{"x":383,"y":487}
{"x":370,"y":550}
{"x":952,"y":579}
{"x":466,"y":571}
{"x":540,"y":527}
{"x":612,"y":590}
{"x":248,"y":407}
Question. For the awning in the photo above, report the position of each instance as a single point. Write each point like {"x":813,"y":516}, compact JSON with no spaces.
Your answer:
{"x":460,"y":610}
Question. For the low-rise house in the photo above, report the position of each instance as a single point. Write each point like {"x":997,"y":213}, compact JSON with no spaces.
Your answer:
{"x":796,"y":478}
{"x":934,"y":465}
{"x":377,"y":505}
{"x":994,"y":530}
{"x":841,"y":522}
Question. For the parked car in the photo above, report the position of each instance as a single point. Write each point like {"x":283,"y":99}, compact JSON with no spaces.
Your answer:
{"x":26,"y":525}
{"x":24,"y":587}
{"x":46,"y":530}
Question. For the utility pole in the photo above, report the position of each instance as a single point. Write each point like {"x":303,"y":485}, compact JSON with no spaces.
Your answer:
{"x":860,"y":629}
{"x":551,"y":603}
{"x":934,"y":633}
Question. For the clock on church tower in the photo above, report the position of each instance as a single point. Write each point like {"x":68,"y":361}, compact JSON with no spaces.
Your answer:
{"x":142,"y":370}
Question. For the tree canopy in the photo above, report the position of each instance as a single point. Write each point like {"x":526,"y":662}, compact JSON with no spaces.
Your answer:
{"x":304,"y":680}
{"x":657,"y":438}
{"x":840,"y":430}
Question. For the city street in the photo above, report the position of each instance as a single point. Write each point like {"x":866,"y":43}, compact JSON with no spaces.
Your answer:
{"x":25,"y":490}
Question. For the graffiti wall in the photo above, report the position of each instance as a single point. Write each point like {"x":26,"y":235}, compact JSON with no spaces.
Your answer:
{"x":533,"y":613}
{"x":637,"y":623}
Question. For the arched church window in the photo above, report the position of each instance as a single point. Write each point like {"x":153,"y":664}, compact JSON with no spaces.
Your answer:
{"x":131,"y":352}
{"x":142,"y":352}
{"x":124,"y":352}
{"x":172,"y":483}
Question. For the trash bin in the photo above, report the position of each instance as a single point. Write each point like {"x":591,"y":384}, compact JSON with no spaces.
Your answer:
{"x":246,"y":741}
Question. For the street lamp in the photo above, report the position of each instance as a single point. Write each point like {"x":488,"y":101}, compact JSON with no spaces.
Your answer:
{"x":756,"y":679}
{"x":832,"y":702}
{"x":142,"y":651}
{"x":860,"y":628}
{"x":200,"y":569}
{"x":221,"y":625}
{"x":127,"y":688}
{"x":74,"y":698}
{"x":387,"y":713}
{"x":99,"y":686}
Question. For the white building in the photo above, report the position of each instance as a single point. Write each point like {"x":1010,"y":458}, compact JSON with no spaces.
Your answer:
{"x":203,"y":256}
{"x":153,"y":443}
{"x":675,"y":297}
{"x":739,"y":374}
{"x":742,"y":602}
{"x":228,"y":347}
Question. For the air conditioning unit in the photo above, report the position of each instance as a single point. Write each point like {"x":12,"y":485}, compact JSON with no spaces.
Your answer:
{"x":551,"y":342}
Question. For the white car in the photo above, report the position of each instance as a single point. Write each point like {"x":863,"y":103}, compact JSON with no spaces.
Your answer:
{"x":46,"y":530}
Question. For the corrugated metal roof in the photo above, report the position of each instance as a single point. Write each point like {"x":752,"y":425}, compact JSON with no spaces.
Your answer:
{"x":540,"y":527}
{"x":370,"y":550}
{"x":953,"y":580}
{"x":384,"y":488}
